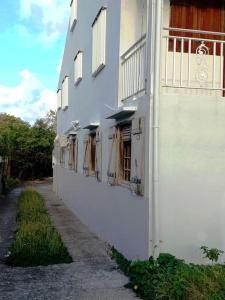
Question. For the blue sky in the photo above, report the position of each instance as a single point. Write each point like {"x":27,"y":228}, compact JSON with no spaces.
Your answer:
{"x":32,"y":37}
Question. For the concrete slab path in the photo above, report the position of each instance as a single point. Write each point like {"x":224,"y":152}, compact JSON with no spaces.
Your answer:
{"x":92,"y":275}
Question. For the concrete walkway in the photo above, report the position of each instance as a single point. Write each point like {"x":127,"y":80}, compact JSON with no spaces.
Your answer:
{"x":92,"y":275}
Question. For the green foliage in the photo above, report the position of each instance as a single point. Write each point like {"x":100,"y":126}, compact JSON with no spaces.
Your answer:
{"x":37,"y":241}
{"x":169,"y":278}
{"x":10,"y":184}
{"x":212,"y":254}
{"x":121,"y":261}
{"x":28,"y":149}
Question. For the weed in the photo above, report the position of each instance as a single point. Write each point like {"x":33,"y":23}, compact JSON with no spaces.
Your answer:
{"x":169,"y":278}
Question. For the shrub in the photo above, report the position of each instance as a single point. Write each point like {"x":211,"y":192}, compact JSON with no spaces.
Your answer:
{"x":169,"y":278}
{"x":37,"y":242}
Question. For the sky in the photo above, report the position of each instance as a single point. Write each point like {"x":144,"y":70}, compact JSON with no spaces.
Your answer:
{"x":32,"y":38}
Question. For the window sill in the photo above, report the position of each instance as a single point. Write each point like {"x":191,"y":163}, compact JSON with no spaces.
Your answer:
{"x":98,"y":70}
{"x":76,"y":83}
{"x":73,"y":24}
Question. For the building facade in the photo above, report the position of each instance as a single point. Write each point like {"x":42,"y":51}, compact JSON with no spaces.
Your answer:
{"x":140,"y":150}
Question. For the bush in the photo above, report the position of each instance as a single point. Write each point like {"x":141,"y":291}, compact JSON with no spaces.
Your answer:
{"x":10,"y":184}
{"x":37,"y":242}
{"x":169,"y":278}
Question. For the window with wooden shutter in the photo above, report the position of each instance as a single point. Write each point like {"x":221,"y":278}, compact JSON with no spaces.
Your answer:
{"x":125,"y":152}
{"x":112,"y":161}
{"x":92,"y":138}
{"x":75,"y":155}
{"x":98,"y":160}
{"x":87,"y":156}
{"x":99,"y":42}
{"x":138,"y":156}
{"x":78,"y":67}
{"x":70,"y":147}
{"x":62,"y":156}
{"x":73,"y":152}
{"x":119,"y":169}
{"x":73,"y":14}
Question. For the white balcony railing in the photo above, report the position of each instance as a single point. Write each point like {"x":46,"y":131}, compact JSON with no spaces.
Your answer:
{"x":133,"y":62}
{"x":195,"y":62}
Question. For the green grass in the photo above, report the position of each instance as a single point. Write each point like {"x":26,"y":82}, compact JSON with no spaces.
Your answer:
{"x":37,"y":242}
{"x":168,"y":278}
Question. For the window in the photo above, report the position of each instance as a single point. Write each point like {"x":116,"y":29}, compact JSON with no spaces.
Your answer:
{"x":125,"y":151}
{"x":92,"y":164}
{"x":59,"y":99}
{"x":78,"y":67}
{"x":73,"y":152}
{"x":90,"y":154}
{"x":65,"y":92}
{"x":127,"y":155}
{"x":62,"y":156}
{"x":73,"y":14}
{"x":99,"y":42}
{"x":93,"y":151}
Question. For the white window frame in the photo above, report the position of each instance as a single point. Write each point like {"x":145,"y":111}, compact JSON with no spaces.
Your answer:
{"x":99,"y":41}
{"x":65,"y":92}
{"x":73,"y":14}
{"x":78,"y":67}
{"x":59,"y":99}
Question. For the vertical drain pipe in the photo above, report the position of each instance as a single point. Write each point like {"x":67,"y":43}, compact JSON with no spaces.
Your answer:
{"x":155,"y":122}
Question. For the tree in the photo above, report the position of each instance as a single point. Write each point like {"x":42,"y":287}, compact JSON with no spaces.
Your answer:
{"x":50,"y":120}
{"x":13,"y":135}
{"x":27,"y":150}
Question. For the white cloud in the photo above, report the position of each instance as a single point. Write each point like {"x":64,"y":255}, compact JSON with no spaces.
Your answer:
{"x":52,"y":15}
{"x":29,"y":100}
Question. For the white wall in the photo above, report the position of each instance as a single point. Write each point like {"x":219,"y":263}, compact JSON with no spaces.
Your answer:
{"x":133,"y":22}
{"x":192,"y":172}
{"x":114,"y":213}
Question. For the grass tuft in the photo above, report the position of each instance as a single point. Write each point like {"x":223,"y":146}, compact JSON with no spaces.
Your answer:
{"x":37,"y":242}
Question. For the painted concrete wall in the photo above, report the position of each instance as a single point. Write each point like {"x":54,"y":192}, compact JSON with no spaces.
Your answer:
{"x":111,"y":212}
{"x":191,"y":156}
{"x":192,"y":172}
{"x":91,"y":92}
{"x":114,"y":213}
{"x":133,"y":22}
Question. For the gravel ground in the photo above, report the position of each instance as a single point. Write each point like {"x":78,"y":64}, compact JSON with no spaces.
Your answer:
{"x":92,"y":275}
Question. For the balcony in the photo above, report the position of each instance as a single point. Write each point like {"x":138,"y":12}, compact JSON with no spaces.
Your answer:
{"x":193,"y":62}
{"x":132,"y":76}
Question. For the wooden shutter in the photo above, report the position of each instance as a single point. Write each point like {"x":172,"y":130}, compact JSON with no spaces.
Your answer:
{"x":98,"y":155}
{"x":207,"y":15}
{"x":70,"y":150}
{"x":138,"y":156}
{"x":126,"y":133}
{"x":87,"y":155}
{"x":111,"y":172}
{"x":75,"y":154}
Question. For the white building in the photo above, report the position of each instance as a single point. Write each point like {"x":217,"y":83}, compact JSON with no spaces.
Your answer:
{"x":140,"y":151}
